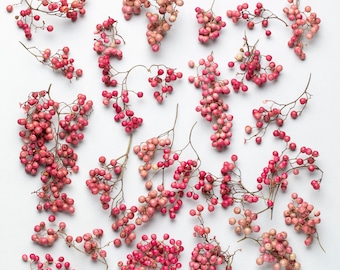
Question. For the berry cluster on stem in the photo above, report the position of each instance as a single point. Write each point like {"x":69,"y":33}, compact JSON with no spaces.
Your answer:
{"x":163,"y":79}
{"x":276,"y":250}
{"x":260,"y":15}
{"x":29,"y":16}
{"x":45,"y":235}
{"x":276,"y":113}
{"x":304,"y":24}
{"x":248,"y":60}
{"x":274,"y":246}
{"x":212,"y":107}
{"x":218,"y":191}
{"x":90,"y":244}
{"x":106,"y":44}
{"x":159,"y":22}
{"x":244,"y":225}
{"x":107,"y":39}
{"x":147,"y":152}
{"x":50,"y":263}
{"x":119,"y":101}
{"x":208,"y":254}
{"x":153,"y":252}
{"x":160,"y":200}
{"x":49,"y":121}
{"x":123,"y":113}
{"x":303,"y":217}
{"x":275,"y":175}
{"x":134,"y":7}
{"x":211,"y":24}
{"x":59,"y":61}
{"x":107,"y":180}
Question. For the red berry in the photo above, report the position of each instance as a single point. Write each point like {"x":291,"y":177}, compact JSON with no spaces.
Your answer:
{"x":49,"y":28}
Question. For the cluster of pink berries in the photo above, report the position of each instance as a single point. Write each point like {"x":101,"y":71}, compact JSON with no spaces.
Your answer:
{"x":154,"y":253}
{"x":105,"y":180}
{"x":123,"y":113}
{"x":228,"y":184}
{"x":108,"y":40}
{"x":275,"y":174}
{"x":248,"y":60}
{"x":305,"y":25}
{"x":276,"y":113}
{"x":207,"y":254}
{"x":29,"y":17}
{"x":263,"y":118}
{"x":37,"y":264}
{"x":306,"y":159}
{"x":260,"y":15}
{"x":157,"y":200}
{"x":46,"y":236}
{"x":75,"y":121}
{"x":159,"y":22}
{"x":244,"y":225}
{"x":104,"y":64}
{"x":170,"y":200}
{"x":134,"y":7}
{"x":270,"y":175}
{"x":212,"y":107}
{"x":299,"y":214}
{"x":211,"y":25}
{"x":146,"y":152}
{"x":91,"y":244}
{"x":163,"y":79}
{"x":59,"y":61}
{"x":207,"y":185}
{"x":157,"y":28}
{"x":221,"y":191}
{"x":275,"y":250}
{"x":38,"y":129}
{"x":125,"y":221}
{"x":183,"y":174}
{"x":106,"y":45}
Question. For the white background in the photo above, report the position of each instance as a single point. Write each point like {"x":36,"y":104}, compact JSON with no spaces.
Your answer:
{"x":317,"y":128}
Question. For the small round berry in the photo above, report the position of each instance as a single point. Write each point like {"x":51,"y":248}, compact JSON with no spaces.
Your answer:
{"x":9,"y":8}
{"x":51,"y":218}
{"x":79,"y":72}
{"x":303,"y":101}
{"x":248,"y":129}
{"x":49,"y":28}
{"x":294,"y":114}
{"x":258,"y":140}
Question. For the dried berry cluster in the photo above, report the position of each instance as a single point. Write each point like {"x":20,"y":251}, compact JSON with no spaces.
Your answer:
{"x":29,"y":17}
{"x":58,"y":61}
{"x":51,"y":131}
{"x":159,"y":21}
